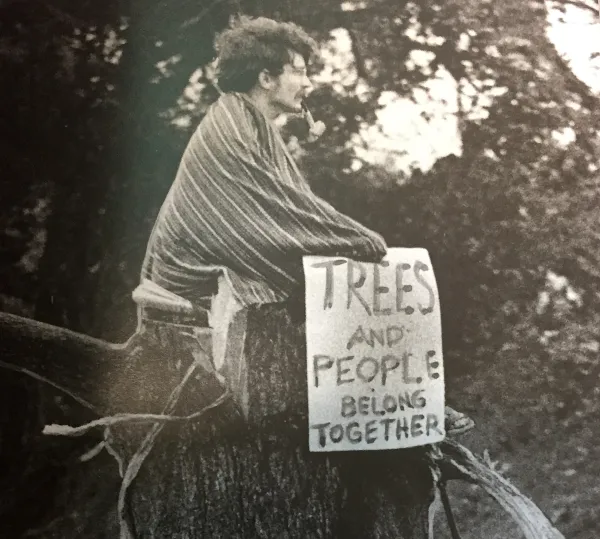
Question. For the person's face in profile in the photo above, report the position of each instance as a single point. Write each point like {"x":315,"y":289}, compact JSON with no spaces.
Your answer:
{"x":291,"y":87}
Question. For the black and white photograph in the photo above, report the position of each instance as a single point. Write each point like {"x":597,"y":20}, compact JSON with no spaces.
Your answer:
{"x":300,"y":269}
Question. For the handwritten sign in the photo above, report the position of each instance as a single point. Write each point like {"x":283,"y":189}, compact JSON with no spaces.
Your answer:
{"x":374,"y":353}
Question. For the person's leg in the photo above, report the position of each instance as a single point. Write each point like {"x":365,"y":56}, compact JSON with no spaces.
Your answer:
{"x":228,"y":320}
{"x":235,"y":368}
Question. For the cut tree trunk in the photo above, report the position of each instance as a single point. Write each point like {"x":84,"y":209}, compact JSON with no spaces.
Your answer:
{"x":219,"y":476}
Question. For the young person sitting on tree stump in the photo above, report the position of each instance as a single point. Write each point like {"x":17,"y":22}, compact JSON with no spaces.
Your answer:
{"x":240,"y":216}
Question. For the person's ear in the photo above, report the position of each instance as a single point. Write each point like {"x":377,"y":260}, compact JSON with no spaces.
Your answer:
{"x":265,"y":80}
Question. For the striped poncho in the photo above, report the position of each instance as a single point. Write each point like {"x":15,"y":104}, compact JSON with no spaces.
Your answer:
{"x":239,"y":206}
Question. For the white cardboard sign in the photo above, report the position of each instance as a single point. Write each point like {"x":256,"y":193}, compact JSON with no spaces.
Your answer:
{"x":374,"y":352}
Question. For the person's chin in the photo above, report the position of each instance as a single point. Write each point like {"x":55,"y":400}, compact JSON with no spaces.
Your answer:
{"x":297,"y":106}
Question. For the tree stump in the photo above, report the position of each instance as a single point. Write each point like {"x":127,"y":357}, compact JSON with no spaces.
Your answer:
{"x":220,"y":476}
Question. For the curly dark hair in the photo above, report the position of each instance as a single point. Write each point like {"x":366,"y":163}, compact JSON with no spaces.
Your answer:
{"x":254,"y":44}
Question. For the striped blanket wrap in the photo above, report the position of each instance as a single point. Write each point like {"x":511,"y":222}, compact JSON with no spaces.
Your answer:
{"x":240,"y":208}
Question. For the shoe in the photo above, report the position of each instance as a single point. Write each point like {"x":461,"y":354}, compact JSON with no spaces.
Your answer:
{"x":457,"y":422}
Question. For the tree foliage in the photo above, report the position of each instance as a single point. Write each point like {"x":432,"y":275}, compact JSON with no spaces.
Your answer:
{"x":97,"y":109}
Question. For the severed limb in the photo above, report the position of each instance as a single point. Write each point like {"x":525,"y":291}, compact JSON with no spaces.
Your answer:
{"x":456,"y":462}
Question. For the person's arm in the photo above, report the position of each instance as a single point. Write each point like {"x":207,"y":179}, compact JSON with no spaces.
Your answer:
{"x":272,"y":216}
{"x":282,"y":198}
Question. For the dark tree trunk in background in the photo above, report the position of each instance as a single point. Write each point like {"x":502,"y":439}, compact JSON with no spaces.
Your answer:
{"x":119,"y":168}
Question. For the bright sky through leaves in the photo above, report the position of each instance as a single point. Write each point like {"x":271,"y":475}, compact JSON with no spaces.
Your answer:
{"x":404,"y":139}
